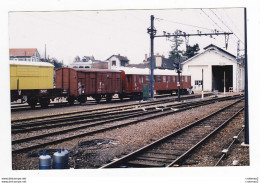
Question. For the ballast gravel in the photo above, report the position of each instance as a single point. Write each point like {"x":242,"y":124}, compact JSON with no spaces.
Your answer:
{"x":99,"y":149}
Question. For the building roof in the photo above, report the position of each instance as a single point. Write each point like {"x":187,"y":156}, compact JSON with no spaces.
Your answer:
{"x":166,"y":63}
{"x":216,"y":49}
{"x":22,"y":52}
{"x":211,"y":46}
{"x":119,"y":57}
{"x":142,"y":65}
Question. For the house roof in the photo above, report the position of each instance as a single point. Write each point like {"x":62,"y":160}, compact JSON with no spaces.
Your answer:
{"x":22,"y":52}
{"x":218,"y":50}
{"x":119,"y":57}
{"x":166,"y":63}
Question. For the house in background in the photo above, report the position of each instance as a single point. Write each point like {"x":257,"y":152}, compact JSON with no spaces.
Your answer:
{"x":221,"y":70}
{"x":88,"y":62}
{"x":117,"y":61}
{"x":24,"y":54}
{"x":160,"y":62}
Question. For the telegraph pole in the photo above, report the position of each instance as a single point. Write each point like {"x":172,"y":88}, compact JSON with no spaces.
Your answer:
{"x":152,"y":32}
{"x":179,"y":79}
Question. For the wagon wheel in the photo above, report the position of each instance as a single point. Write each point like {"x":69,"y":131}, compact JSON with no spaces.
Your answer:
{"x":71,"y":100}
{"x":121,"y":97}
{"x":32,"y":101}
{"x":44,"y":102}
{"x":108,"y":98}
{"x":97,"y":98}
{"x":82,"y":99}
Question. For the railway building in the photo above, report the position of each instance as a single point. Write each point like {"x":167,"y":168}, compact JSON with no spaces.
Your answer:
{"x":215,"y":68}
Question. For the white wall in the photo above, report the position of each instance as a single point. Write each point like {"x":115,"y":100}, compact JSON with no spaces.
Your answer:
{"x":205,"y":61}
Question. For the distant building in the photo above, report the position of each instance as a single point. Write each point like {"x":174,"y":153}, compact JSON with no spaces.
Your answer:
{"x":117,"y":62}
{"x":88,"y":62}
{"x":160,"y":62}
{"x":221,"y":70}
{"x":24,"y":54}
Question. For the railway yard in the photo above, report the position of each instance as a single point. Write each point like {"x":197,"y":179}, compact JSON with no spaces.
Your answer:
{"x":162,"y":132}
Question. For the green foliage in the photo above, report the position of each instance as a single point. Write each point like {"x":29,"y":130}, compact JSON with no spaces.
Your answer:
{"x":175,"y":53}
{"x":191,"y":50}
{"x":57,"y":64}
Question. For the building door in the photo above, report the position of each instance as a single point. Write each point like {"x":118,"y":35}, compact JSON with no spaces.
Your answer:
{"x":222,"y":76}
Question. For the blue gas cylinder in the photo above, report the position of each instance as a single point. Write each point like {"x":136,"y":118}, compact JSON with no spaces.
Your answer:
{"x":58,"y":160}
{"x":44,"y":161}
{"x":66,"y":160}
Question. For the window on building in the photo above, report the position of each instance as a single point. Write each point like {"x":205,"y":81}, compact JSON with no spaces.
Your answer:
{"x":113,"y":63}
{"x":123,"y":63}
{"x":81,"y":67}
{"x":164,"y":79}
{"x":86,"y":66}
{"x":141,"y":79}
{"x":75,"y":67}
{"x":173,"y":79}
{"x":128,"y":79}
{"x":134,"y":79}
{"x":198,"y":82}
{"x":147,"y":79}
{"x":186,"y":79}
{"x":169,"y":79}
{"x":159,"y":79}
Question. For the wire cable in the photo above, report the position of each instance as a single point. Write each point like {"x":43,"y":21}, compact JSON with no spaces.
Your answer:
{"x":225,"y":25}
{"x":184,"y":24}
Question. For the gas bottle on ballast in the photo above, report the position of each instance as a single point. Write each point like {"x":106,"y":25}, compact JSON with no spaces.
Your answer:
{"x":44,"y":161}
{"x":58,"y":160}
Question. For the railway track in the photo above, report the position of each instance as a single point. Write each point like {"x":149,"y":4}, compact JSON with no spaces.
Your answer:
{"x":82,"y":126}
{"x":172,"y":149}
{"x":135,"y":110}
{"x":228,"y":148}
{"x":107,"y":109}
{"x":25,"y":106}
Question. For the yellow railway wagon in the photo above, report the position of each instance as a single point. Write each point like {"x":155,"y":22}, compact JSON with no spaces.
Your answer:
{"x":31,"y":75}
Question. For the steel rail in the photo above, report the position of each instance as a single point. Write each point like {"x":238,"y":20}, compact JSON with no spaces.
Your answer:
{"x":105,"y":108}
{"x":159,"y":141}
{"x":203,"y":140}
{"x":87,"y":133}
{"x":56,"y":122}
{"x":225,"y":151}
{"x":178,"y":107}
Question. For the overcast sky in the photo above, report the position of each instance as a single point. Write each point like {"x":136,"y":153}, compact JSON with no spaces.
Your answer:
{"x":68,"y":34}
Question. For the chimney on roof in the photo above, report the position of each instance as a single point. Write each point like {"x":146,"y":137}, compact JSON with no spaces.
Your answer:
{"x":118,"y":54}
{"x":145,"y":57}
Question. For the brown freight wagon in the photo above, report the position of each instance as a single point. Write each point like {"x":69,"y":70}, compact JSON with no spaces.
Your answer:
{"x":83,"y":83}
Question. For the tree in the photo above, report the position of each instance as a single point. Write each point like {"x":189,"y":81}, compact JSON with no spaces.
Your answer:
{"x":57,"y":64}
{"x":191,"y":50}
{"x":175,"y":53}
